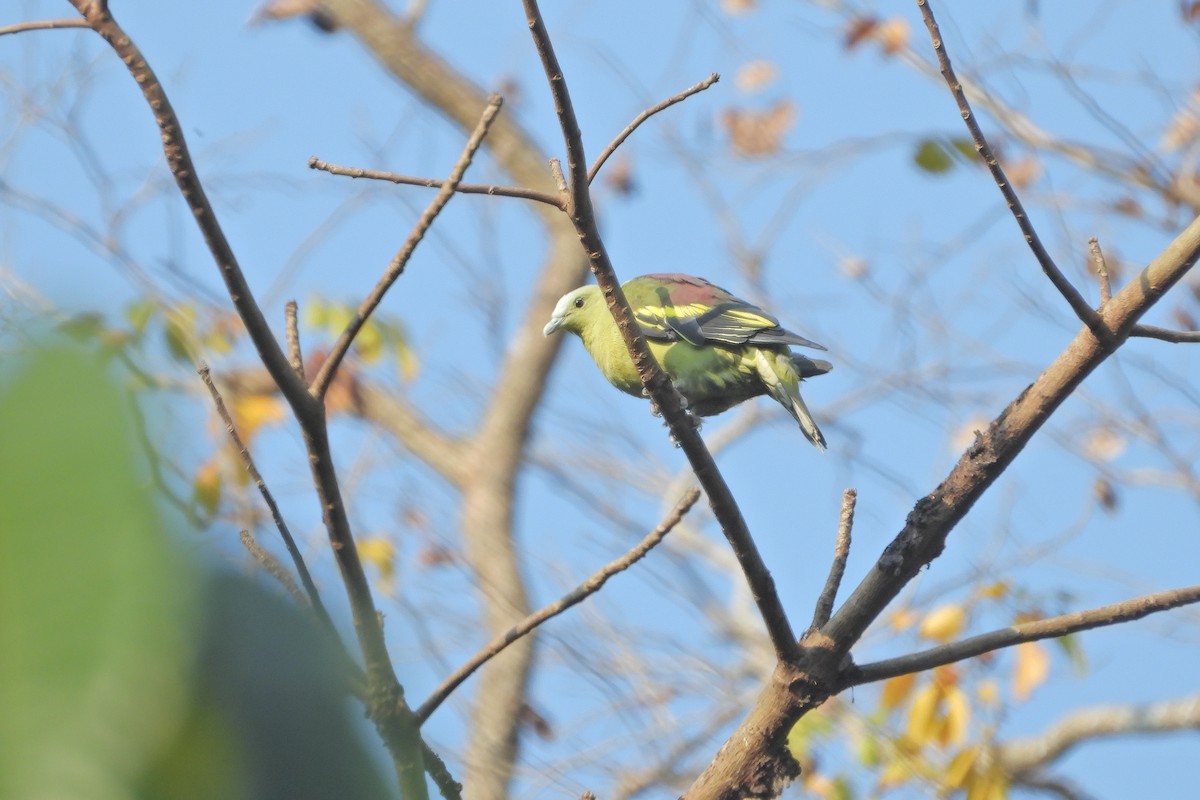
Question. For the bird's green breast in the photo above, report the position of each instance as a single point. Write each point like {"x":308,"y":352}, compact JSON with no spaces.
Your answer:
{"x":712,"y":377}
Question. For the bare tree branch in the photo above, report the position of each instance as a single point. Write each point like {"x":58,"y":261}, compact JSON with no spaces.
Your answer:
{"x":292,"y":325}
{"x":658,"y":385}
{"x":273,"y":567}
{"x":645,"y":115}
{"x":1024,"y":756}
{"x":1051,"y":628}
{"x":1085,"y":312}
{"x":518,"y":192}
{"x":310,"y":588}
{"x":572,"y":598}
{"x":324,"y":377}
{"x":43,"y":25}
{"x":1101,"y":270}
{"x":841,"y":551}
{"x":386,"y":704}
{"x":1165,"y":334}
{"x":760,"y":764}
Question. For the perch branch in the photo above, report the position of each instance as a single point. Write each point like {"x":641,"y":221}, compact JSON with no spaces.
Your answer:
{"x":658,"y":385}
{"x":572,"y":598}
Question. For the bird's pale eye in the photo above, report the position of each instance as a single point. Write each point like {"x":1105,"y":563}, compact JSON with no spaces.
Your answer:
{"x":579,"y":302}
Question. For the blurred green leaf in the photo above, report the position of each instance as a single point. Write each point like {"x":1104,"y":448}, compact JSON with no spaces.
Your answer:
{"x":933,"y":156}
{"x":93,"y":600}
{"x":140,"y":313}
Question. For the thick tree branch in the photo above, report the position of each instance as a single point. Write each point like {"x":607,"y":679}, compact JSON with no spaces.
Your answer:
{"x":754,"y":761}
{"x":933,"y":517}
{"x":1051,"y":628}
{"x":658,"y":385}
{"x":324,"y":377}
{"x":385,"y":696}
{"x":572,"y":598}
{"x":1085,"y":312}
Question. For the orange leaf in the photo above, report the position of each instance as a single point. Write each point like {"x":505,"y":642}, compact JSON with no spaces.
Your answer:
{"x":896,"y":689}
{"x":892,"y":35}
{"x":1031,"y":670}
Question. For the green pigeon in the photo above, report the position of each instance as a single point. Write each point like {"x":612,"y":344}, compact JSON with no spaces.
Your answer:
{"x":717,"y":349}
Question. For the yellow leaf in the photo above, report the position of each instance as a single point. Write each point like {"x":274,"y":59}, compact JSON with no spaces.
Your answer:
{"x":987,"y":785}
{"x":1031,"y":669}
{"x":958,"y":717}
{"x":206,"y":487}
{"x":922,"y":715}
{"x":252,"y":411}
{"x":898,"y":771}
{"x":994,"y":591}
{"x":369,"y":343}
{"x":943,"y":623}
{"x":960,"y":768}
{"x":896,"y":689}
{"x":381,"y":554}
{"x":988,"y":692}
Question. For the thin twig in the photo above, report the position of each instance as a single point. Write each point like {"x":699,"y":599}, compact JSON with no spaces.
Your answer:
{"x":572,"y":598}
{"x":434,"y":183}
{"x":310,"y":588}
{"x":645,"y":115}
{"x":272,"y":565}
{"x":179,"y":160}
{"x":329,"y":368}
{"x":290,"y":314}
{"x":841,"y":551}
{"x":1054,"y":627}
{"x":1085,"y":312}
{"x":656,"y":382}
{"x":1165,"y":334}
{"x":1101,"y":270}
{"x":43,"y":25}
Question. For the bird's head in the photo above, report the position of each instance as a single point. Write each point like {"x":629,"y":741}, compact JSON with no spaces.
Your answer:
{"x":576,"y":310}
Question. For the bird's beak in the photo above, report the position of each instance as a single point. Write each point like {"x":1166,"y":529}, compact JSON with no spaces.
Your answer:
{"x":554,"y":324}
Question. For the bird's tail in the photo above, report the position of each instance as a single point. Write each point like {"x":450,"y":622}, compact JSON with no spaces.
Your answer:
{"x":781,"y":373}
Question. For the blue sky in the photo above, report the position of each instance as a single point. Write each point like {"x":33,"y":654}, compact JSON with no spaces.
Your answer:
{"x":951,"y":321}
